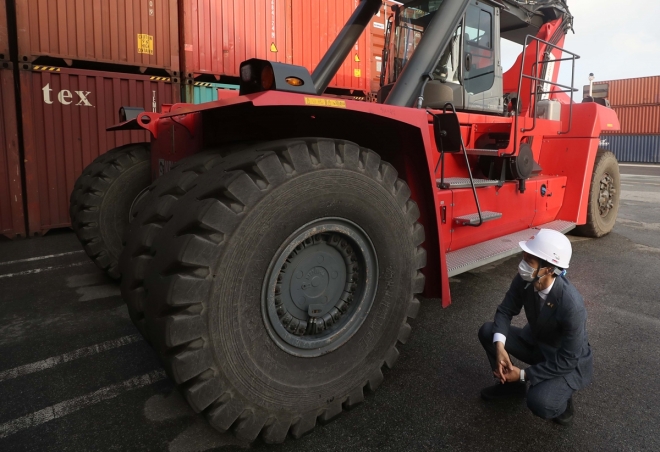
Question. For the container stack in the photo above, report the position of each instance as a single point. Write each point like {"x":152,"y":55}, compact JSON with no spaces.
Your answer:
{"x":66,"y":68}
{"x":637,"y":104}
{"x":73,"y":65}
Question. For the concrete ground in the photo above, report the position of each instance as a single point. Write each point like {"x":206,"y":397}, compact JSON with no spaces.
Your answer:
{"x":75,"y":375}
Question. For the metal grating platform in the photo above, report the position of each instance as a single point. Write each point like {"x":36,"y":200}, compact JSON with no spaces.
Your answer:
{"x":464,"y":182}
{"x":473,"y":218}
{"x":490,"y":152}
{"x":474,"y":256}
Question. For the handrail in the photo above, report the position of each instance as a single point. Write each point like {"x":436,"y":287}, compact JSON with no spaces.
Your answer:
{"x":467,"y":164}
{"x":534,"y":92}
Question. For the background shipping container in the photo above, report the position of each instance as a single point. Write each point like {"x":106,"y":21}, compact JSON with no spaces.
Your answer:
{"x":65,"y":113}
{"x":12,"y":220}
{"x":638,"y":120}
{"x":141,"y":33}
{"x":633,"y":148}
{"x":218,"y":35}
{"x":632,"y":91}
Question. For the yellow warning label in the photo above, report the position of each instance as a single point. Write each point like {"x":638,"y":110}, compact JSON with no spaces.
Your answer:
{"x":145,"y":44}
{"x":610,"y":125}
{"x":357,"y":73}
{"x":357,"y":58}
{"x":273,"y":47}
{"x":325,"y":102}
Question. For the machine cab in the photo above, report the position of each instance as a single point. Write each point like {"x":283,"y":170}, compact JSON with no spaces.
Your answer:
{"x":468,"y":72}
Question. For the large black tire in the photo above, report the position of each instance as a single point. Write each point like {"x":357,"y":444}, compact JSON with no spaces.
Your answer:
{"x":150,"y":214}
{"x":207,"y":300}
{"x":604,"y":196}
{"x":102,"y":198}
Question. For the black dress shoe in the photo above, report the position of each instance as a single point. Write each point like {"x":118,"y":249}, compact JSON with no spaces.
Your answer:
{"x":503,"y":391}
{"x":566,"y":418}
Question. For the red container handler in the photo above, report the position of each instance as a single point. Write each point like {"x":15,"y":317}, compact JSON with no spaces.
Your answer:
{"x":12,"y":220}
{"x":217,"y":35}
{"x":65,"y":114}
{"x":4,"y":32}
{"x":141,"y":33}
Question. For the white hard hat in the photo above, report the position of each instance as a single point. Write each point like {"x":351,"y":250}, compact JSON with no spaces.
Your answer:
{"x":551,"y":246}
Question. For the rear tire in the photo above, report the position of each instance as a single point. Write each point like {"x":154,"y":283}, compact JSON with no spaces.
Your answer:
{"x":102,"y":198}
{"x":604,"y":196}
{"x":214,"y":278}
{"x":150,"y":214}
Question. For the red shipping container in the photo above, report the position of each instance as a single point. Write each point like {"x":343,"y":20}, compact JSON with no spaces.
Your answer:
{"x":315,"y":25}
{"x":633,"y":91}
{"x":637,"y":120}
{"x":65,"y":116}
{"x":142,"y":33}
{"x":12,"y":220}
{"x":4,"y":32}
{"x":218,"y":35}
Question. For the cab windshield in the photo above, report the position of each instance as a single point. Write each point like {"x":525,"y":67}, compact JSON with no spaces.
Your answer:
{"x":409,"y":26}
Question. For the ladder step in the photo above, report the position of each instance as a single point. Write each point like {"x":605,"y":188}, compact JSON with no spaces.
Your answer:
{"x":489,"y":152}
{"x":473,"y":218}
{"x":464,"y":182}
{"x":484,"y":253}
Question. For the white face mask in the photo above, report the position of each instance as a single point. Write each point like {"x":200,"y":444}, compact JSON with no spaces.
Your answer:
{"x":526,"y":271}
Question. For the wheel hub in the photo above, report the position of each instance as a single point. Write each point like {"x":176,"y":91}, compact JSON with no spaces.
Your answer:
{"x":607,"y":194}
{"x":320,"y":286}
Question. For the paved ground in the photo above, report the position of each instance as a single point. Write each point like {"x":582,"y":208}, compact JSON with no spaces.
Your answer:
{"x":74,"y":374}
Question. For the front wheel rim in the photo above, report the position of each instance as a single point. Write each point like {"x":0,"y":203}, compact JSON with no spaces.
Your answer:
{"x":320,"y":286}
{"x":606,"y":195}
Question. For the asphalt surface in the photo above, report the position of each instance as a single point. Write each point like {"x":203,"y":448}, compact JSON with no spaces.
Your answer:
{"x":75,"y":375}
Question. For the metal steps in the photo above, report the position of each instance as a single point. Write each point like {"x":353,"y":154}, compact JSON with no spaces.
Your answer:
{"x":464,"y":182}
{"x":484,"y":253}
{"x":488,"y":152}
{"x":473,"y":218}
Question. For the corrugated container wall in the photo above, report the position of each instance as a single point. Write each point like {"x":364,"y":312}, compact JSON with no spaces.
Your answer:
{"x":217,"y":36}
{"x":65,"y":114}
{"x":633,"y":91}
{"x":142,"y":33}
{"x":633,"y":148}
{"x":314,"y":26}
{"x":4,"y":32}
{"x":638,"y":120}
{"x":12,"y":220}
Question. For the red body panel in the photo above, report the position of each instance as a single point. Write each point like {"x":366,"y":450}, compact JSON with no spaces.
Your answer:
{"x":12,"y":220}
{"x":62,"y":133}
{"x":141,"y":33}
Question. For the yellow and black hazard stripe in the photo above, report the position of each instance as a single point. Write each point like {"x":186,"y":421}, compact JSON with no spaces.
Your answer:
{"x":160,"y":79}
{"x":203,"y":84}
{"x":46,"y":68}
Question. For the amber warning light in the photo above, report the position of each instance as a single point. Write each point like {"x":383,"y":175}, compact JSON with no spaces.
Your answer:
{"x":294,"y":81}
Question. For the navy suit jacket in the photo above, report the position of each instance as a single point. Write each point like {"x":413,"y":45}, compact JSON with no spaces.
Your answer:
{"x":559,"y":330}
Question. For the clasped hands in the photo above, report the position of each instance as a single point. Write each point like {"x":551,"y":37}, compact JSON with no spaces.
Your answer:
{"x":505,"y":372}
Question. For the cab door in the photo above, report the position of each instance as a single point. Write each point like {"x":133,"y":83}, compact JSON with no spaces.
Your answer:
{"x":482,"y":72}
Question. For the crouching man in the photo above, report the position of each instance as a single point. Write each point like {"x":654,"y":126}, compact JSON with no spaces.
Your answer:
{"x":554,"y":342}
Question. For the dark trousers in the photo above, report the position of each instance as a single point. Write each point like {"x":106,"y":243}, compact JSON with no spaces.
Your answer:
{"x":547,"y":399}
